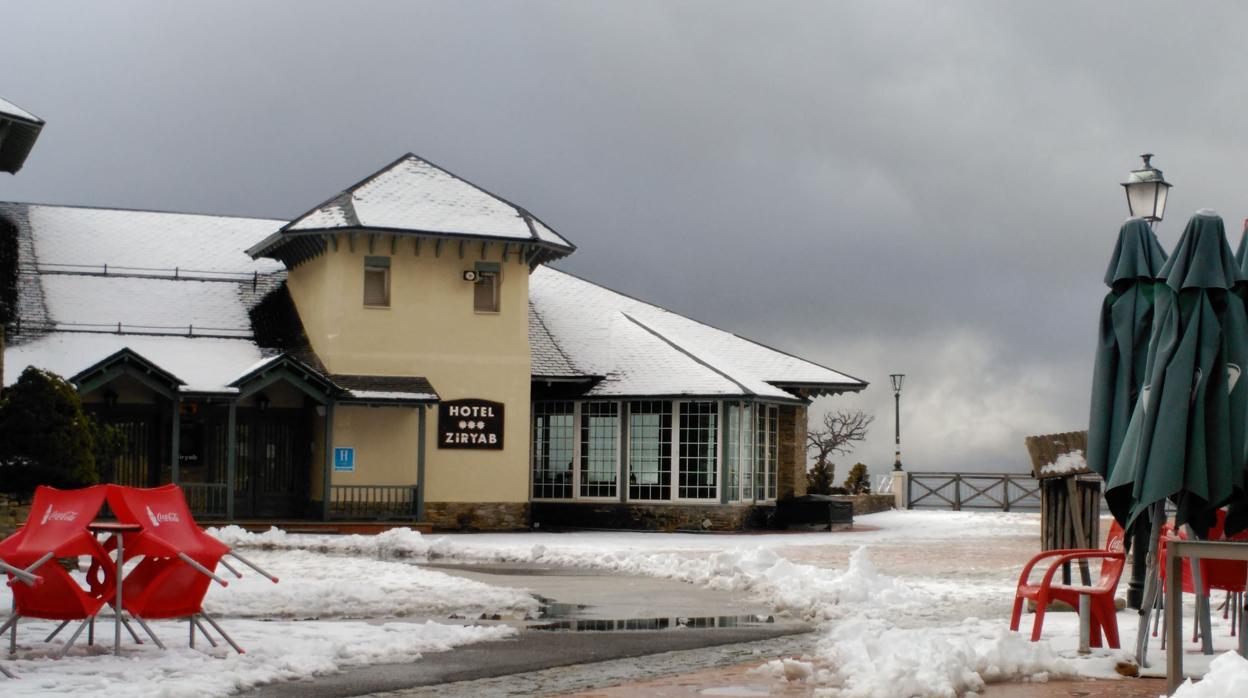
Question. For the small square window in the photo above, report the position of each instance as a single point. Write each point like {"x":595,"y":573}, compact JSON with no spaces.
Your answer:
{"x":377,"y":282}
{"x":485,"y":292}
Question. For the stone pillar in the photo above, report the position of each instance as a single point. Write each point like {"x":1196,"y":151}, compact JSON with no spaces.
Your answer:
{"x":899,"y":490}
{"x":791,"y":456}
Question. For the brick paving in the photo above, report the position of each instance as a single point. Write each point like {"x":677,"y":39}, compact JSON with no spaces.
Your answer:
{"x":739,"y":680}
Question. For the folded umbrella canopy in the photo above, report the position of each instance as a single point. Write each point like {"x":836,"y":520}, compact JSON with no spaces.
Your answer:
{"x":1126,"y":323}
{"x":1185,"y":441}
{"x":1118,"y":372}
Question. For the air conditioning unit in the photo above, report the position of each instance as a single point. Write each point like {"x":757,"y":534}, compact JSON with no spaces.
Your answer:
{"x":470,"y":275}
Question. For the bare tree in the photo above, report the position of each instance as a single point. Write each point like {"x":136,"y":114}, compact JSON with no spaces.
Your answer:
{"x":839,"y":432}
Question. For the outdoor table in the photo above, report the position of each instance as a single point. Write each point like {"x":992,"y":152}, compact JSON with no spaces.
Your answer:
{"x":116,"y":530}
{"x":1176,"y":550}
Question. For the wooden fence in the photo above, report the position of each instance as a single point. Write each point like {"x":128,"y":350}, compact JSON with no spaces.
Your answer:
{"x":958,"y":491}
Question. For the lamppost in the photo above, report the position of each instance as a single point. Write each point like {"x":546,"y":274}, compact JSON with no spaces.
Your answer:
{"x":898,"y":379}
{"x":1146,"y":190}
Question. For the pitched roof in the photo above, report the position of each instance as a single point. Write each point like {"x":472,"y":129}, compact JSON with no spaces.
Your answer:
{"x":414,"y":196}
{"x":110,"y":280}
{"x":19,"y":129}
{"x":386,"y":389}
{"x":642,"y":349}
{"x":548,"y":360}
{"x":12,"y":111}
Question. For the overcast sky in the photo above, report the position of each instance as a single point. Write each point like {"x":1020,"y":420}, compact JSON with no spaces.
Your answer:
{"x":882,"y":187}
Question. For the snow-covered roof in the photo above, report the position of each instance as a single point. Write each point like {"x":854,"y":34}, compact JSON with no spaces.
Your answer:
{"x":19,"y":129}
{"x":548,"y":360}
{"x":10,"y":109}
{"x":414,"y":196}
{"x":641,"y":349}
{"x":177,"y":290}
{"x":204,"y":364}
{"x":155,"y":241}
{"x":174,"y":288}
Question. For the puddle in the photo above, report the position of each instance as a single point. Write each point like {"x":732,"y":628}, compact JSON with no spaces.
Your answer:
{"x":594,"y":625}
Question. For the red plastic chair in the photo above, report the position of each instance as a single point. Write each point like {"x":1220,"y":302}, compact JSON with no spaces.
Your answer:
{"x":1223,"y":575}
{"x":57,"y":528}
{"x":179,"y":559}
{"x":1104,"y":613}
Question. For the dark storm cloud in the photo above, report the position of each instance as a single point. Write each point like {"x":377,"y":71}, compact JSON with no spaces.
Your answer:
{"x":882,"y":187}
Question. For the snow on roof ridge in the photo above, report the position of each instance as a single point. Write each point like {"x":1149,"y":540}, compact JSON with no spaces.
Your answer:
{"x":704,"y":324}
{"x":342,"y":200}
{"x":698,"y":359}
{"x":12,"y":110}
{"x":537,"y":315}
{"x":142,"y":210}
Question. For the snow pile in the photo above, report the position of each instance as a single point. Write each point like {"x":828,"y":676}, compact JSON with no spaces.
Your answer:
{"x":316,"y":586}
{"x":275,"y":652}
{"x":396,"y":542}
{"x":1066,"y":464}
{"x":1227,"y":678}
{"x":871,"y":658}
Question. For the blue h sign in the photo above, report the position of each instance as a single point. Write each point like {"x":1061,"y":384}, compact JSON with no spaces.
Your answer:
{"x":344,"y":459}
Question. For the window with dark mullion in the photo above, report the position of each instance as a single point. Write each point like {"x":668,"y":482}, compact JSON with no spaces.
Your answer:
{"x":699,"y":436}
{"x":649,"y":450}
{"x":377,"y":282}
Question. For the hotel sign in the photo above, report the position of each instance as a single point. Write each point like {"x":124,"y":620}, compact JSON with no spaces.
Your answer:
{"x":470,"y":423}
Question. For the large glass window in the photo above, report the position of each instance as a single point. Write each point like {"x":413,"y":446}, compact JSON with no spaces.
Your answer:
{"x":773,"y":449}
{"x":699,"y":434}
{"x":649,"y":449}
{"x":554,"y":437}
{"x":600,"y":448}
{"x":732,"y":451}
{"x":765,"y":451}
{"x":739,"y":451}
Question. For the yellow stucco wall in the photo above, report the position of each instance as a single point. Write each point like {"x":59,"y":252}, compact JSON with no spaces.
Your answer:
{"x":430,"y":330}
{"x":385,"y":440}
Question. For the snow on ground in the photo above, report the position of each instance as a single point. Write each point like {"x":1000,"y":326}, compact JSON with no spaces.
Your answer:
{"x":911,"y":603}
{"x":914,"y":599}
{"x":316,"y":586}
{"x":291,"y":630}
{"x":276,"y":651}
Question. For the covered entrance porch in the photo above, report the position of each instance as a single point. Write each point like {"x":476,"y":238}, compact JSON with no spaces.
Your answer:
{"x":277,"y":466}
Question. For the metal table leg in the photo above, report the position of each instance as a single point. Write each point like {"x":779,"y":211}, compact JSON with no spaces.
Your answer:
{"x":121,"y":556}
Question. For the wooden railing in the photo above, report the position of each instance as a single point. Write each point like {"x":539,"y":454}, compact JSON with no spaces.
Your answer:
{"x":958,"y":491}
{"x":372,"y":502}
{"x":205,"y":498}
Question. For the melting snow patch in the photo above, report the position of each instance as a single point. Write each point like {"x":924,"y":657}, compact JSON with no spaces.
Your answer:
{"x":1227,"y":678}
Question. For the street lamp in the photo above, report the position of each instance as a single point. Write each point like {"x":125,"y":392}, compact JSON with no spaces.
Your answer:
{"x":898,"y":379}
{"x":1146,"y":198}
{"x":1146,"y":191}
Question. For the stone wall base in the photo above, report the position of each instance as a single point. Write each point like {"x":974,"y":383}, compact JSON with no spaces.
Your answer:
{"x":868,"y":503}
{"x":477,"y":516}
{"x":652,"y":517}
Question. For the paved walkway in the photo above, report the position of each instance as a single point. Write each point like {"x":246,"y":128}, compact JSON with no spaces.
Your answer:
{"x":739,"y":680}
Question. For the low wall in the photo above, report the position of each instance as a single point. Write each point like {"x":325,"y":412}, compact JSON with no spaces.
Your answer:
{"x":477,"y":516}
{"x":868,"y":503}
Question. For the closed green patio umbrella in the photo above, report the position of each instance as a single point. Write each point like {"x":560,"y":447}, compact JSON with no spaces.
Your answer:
{"x":1118,"y":372}
{"x":1126,"y":323}
{"x":1185,"y":441}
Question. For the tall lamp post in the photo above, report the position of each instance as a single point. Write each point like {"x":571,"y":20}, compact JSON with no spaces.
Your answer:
{"x":1147,"y":190}
{"x":898,"y":379}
